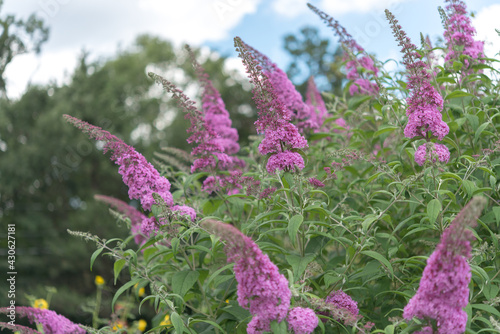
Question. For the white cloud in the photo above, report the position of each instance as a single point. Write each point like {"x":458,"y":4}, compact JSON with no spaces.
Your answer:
{"x":289,"y":8}
{"x":29,"y":68}
{"x":485,"y":22}
{"x":99,"y":26}
{"x":195,"y":21}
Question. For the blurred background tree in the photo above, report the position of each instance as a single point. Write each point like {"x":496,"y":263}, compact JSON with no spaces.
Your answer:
{"x":19,"y":37}
{"x":49,"y":171}
{"x":314,"y":56}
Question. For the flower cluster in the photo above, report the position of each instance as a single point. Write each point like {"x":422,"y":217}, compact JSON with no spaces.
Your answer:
{"x":444,"y":287}
{"x":424,"y":103}
{"x":51,"y":321}
{"x":216,"y":118}
{"x":459,"y":34}
{"x":436,"y":152}
{"x":261,"y":288}
{"x":302,"y":320}
{"x":342,"y":300}
{"x":281,"y":136}
{"x":138,"y":174}
{"x":359,"y":63}
{"x":211,"y":151}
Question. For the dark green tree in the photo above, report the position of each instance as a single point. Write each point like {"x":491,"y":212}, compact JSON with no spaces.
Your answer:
{"x":313,"y":55}
{"x":49,"y":171}
{"x":17,"y":37}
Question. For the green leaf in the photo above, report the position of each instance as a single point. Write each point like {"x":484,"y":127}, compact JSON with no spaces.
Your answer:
{"x":469,"y":187}
{"x":217,"y":272}
{"x":299,"y":264}
{"x":369,"y":219}
{"x":331,"y":279}
{"x":177,"y":322}
{"x":491,"y":290}
{"x":385,"y":129}
{"x":279,"y":327}
{"x":457,"y":93}
{"x":195,"y":321}
{"x":118,"y":267}
{"x":479,"y":130}
{"x":496,"y":212}
{"x":389,"y":329}
{"x":356,"y":101}
{"x":125,"y":287}
{"x":457,"y":65}
{"x":380,"y":258}
{"x":433,"y":209}
{"x":182,"y":281}
{"x":473,"y":120}
{"x":94,"y":256}
{"x":445,"y":79}
{"x":238,"y":312}
{"x":293,"y":227}
{"x":488,"y":308}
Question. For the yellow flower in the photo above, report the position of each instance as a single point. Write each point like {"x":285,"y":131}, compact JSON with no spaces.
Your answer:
{"x":141,"y":325}
{"x":118,"y":324}
{"x":166,"y":321}
{"x":41,"y":304}
{"x":227,"y":301}
{"x":99,"y":281}
{"x":141,"y":291}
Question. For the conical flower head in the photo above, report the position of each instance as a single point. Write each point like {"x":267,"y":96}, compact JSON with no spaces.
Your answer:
{"x":138,"y":174}
{"x":459,"y":34}
{"x":281,"y":136}
{"x":50,"y":321}
{"x":261,"y":288}
{"x":360,"y":66}
{"x":444,"y":287}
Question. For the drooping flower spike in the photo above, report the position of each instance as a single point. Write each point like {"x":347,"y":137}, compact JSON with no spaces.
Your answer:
{"x":217,"y":119}
{"x":261,"y":288}
{"x":424,"y":103}
{"x":282,"y":139}
{"x":51,"y":321}
{"x":459,"y":34}
{"x":444,"y":288}
{"x":210,"y":151}
{"x":356,"y":57}
{"x":138,"y":174}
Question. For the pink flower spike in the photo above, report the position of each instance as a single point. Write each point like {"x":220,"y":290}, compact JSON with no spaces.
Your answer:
{"x":275,"y":114}
{"x":360,"y":66}
{"x":261,"y":288}
{"x":51,"y":322}
{"x":285,"y":161}
{"x":444,"y":287}
{"x":138,"y":174}
{"x":459,"y":34}
{"x":438,"y":152}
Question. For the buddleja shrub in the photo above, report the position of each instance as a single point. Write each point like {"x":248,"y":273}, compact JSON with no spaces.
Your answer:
{"x":373,"y":212}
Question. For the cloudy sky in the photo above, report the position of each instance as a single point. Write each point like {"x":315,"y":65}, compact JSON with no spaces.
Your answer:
{"x":102,"y":26}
